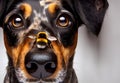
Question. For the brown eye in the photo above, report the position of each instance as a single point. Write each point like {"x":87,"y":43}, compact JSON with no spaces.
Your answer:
{"x":17,"y":21}
{"x":63,"y":21}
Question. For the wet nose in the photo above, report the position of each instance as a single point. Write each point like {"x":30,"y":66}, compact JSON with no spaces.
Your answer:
{"x":41,"y":41}
{"x":40,"y":65}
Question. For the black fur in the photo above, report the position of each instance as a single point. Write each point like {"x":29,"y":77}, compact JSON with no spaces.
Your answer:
{"x":85,"y":10}
{"x":88,"y":12}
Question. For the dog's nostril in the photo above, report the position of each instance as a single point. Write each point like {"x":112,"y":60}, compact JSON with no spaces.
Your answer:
{"x":31,"y":67}
{"x":50,"y":67}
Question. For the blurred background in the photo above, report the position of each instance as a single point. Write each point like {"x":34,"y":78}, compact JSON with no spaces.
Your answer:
{"x":97,"y":59}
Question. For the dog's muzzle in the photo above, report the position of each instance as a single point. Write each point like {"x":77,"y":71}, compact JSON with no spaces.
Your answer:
{"x":41,"y":61}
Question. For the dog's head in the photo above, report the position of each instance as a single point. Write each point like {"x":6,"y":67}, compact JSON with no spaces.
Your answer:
{"x":41,"y":35}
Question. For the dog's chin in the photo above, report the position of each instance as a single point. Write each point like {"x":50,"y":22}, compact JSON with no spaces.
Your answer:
{"x":23,"y":79}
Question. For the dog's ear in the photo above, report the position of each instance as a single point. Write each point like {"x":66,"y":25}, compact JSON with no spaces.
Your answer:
{"x":2,"y":8}
{"x":91,"y":12}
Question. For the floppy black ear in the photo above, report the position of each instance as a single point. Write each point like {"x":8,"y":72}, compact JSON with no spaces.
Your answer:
{"x":4,"y":5}
{"x":2,"y":8}
{"x":91,"y":12}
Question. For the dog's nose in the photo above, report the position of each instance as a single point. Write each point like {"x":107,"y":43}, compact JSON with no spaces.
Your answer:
{"x":40,"y":65}
{"x":41,"y":41}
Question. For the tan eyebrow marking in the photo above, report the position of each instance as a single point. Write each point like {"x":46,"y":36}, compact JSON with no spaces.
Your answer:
{"x":52,"y":8}
{"x":26,"y":8}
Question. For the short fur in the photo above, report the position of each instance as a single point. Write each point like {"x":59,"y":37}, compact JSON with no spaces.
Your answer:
{"x":23,"y":22}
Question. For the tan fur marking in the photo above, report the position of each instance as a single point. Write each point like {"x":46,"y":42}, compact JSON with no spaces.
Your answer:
{"x":57,"y":51}
{"x":68,"y":52}
{"x":18,"y":54}
{"x":52,"y":8}
{"x":63,"y":53}
{"x":13,"y":52}
{"x":24,"y":51}
{"x":27,"y":9}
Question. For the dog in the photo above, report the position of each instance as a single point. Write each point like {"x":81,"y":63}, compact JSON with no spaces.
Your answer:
{"x":40,"y":37}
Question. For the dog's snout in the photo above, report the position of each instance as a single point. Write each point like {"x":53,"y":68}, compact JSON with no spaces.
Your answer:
{"x":40,"y":65}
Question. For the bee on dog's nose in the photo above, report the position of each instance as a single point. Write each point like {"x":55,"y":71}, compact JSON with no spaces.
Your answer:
{"x":42,"y":39}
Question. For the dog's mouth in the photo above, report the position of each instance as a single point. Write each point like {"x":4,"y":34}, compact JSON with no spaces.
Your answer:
{"x":22,"y":79}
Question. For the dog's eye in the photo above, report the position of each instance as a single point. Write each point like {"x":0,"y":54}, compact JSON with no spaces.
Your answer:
{"x":17,"y":21}
{"x":63,"y":21}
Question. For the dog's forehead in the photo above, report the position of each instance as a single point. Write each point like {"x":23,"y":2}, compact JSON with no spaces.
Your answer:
{"x":40,"y":8}
{"x":41,"y":5}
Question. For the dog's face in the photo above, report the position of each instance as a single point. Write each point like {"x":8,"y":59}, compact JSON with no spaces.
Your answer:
{"x":40,"y":38}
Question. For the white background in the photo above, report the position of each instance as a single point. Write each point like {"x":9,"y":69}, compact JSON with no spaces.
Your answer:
{"x":97,"y":59}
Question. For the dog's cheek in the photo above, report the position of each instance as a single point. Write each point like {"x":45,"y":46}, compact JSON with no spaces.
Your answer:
{"x":13,"y":52}
{"x":56,"y":46}
{"x":65,"y":53}
{"x":18,"y":51}
{"x":69,"y":51}
{"x":25,"y":48}
{"x":68,"y":34}
{"x":11,"y":37}
{"x":67,"y":38}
